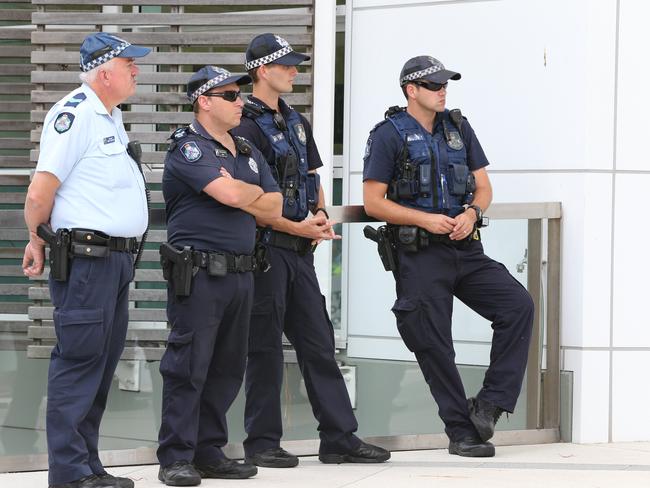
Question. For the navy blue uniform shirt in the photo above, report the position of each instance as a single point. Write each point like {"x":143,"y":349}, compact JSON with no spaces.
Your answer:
{"x":196,"y":219}
{"x":251,"y":131}
{"x":385,"y":146}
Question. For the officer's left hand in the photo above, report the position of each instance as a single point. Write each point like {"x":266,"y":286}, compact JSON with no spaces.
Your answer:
{"x":331,"y":234}
{"x":464,"y":225}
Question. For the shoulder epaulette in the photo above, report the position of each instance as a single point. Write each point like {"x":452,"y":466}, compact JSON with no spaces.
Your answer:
{"x":76,"y":100}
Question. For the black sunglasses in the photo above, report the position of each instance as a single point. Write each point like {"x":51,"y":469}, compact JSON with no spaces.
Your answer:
{"x":229,"y":96}
{"x":430,"y":85}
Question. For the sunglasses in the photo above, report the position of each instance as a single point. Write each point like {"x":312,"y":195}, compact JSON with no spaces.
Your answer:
{"x":430,"y":85}
{"x":229,"y":96}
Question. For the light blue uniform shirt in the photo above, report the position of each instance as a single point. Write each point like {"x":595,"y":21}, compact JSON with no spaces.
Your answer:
{"x":85,"y":148}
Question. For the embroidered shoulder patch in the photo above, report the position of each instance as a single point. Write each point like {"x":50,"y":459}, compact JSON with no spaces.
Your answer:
{"x":63,"y":122}
{"x":300,"y":132}
{"x":191,"y":151}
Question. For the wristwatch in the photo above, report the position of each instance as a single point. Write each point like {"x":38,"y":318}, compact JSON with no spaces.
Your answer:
{"x":480,"y":220}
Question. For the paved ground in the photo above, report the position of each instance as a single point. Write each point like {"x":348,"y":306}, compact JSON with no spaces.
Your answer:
{"x":621,"y":465}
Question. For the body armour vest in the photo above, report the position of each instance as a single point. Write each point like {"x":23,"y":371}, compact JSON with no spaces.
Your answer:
{"x":290,"y":167}
{"x":433,"y":174}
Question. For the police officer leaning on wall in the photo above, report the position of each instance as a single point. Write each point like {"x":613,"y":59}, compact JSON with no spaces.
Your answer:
{"x":419,"y":172}
{"x":288,"y":297}
{"x":89,"y":191}
{"x":214,"y":185}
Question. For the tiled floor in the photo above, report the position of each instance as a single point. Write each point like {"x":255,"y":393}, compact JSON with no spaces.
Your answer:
{"x":621,"y":465}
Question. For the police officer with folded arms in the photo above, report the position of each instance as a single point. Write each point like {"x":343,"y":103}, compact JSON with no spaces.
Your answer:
{"x":288,"y":297}
{"x":424,"y":174}
{"x":87,"y":199}
{"x":214,"y":185}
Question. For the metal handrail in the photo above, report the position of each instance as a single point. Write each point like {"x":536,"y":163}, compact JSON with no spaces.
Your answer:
{"x":543,"y":385}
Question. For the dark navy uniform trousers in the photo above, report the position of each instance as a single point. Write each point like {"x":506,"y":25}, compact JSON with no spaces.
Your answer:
{"x":288,"y":298}
{"x":90,"y":320}
{"x":203,"y":366}
{"x":427,"y":281}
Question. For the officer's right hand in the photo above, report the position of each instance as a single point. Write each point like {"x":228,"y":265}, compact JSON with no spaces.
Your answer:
{"x":34,"y":259}
{"x":317,"y":228}
{"x":437,"y":223}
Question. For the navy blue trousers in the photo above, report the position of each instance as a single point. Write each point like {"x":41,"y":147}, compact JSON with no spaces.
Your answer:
{"x":288,"y":299}
{"x":426,"y":282}
{"x":90,"y":320}
{"x":203,"y":366}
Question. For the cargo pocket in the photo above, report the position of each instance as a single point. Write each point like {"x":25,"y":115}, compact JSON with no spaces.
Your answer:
{"x":177,"y":360}
{"x":411,"y":327}
{"x":262,"y":335}
{"x":79,"y":333}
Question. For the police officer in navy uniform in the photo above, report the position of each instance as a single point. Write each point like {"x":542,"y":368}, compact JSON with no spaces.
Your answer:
{"x":424,"y":174}
{"x":215,"y":185}
{"x":288,"y":297}
{"x":87,"y":188}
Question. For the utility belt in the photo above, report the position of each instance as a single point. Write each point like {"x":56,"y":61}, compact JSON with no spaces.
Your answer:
{"x":66,"y":244}
{"x":411,"y":238}
{"x":180,"y":266}
{"x":270,"y":237}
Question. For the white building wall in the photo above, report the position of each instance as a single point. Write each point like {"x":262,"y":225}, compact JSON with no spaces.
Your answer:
{"x":557,"y":91}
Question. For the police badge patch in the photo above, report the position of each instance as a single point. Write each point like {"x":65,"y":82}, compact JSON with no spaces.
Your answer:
{"x":191,"y":151}
{"x":63,"y":122}
{"x":368,"y":146}
{"x":300,"y":132}
{"x":253,"y":165}
{"x":455,"y":141}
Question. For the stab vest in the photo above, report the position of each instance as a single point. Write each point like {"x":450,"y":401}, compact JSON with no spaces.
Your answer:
{"x":288,"y":140}
{"x":433,"y":174}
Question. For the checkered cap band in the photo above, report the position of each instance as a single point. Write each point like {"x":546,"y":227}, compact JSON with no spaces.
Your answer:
{"x":422,"y":73}
{"x":104,"y":57}
{"x":209,"y":84}
{"x":269,"y":58}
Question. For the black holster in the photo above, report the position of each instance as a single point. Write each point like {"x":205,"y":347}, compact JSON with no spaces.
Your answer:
{"x":385,"y":246}
{"x":59,"y":242}
{"x":177,"y":267}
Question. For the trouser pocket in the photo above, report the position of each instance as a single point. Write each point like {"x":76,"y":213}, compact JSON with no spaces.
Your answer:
{"x":79,"y":332}
{"x":411,"y":324}
{"x":177,"y":360}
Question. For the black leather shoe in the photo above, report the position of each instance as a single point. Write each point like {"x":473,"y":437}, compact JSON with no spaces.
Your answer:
{"x":484,"y":416}
{"x":91,"y":481}
{"x":365,"y":453}
{"x":110,"y":480}
{"x":180,"y":473}
{"x":275,"y":457}
{"x":471,"y":447}
{"x":227,"y":469}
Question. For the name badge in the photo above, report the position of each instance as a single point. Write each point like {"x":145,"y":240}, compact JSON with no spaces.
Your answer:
{"x":109,"y":140}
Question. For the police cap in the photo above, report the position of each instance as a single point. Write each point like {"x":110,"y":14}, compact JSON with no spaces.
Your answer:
{"x":210,"y":77}
{"x":426,"y":68}
{"x":100,"y":47}
{"x":269,"y":48}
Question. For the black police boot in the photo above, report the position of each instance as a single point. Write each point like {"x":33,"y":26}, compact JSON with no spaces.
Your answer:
{"x":180,"y":473}
{"x":91,"y":481}
{"x":275,"y":457}
{"x":110,"y":480}
{"x":365,"y":453}
{"x":471,"y":447}
{"x":484,"y":416}
{"x":227,"y":469}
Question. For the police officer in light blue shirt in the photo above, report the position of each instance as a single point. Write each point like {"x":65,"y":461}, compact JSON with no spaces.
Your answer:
{"x":90,"y":192}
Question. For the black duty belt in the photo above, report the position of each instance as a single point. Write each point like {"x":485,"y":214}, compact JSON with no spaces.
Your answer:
{"x":86,"y":242}
{"x":301,"y":245}
{"x":235,"y":263}
{"x":413,"y":238}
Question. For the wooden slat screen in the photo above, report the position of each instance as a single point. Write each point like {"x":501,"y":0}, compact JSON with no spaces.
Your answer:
{"x":184,"y":36}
